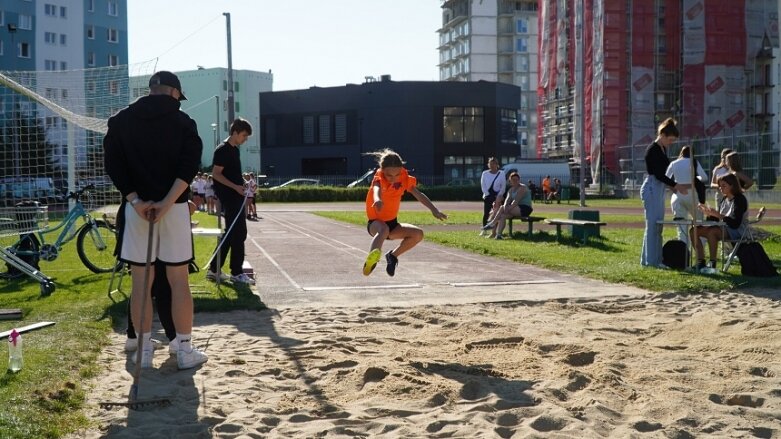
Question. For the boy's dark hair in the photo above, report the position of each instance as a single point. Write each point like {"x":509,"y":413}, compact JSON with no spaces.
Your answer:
{"x":241,"y":124}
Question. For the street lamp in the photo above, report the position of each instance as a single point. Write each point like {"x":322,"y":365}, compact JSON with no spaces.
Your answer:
{"x":214,"y":132}
{"x":12,"y":28}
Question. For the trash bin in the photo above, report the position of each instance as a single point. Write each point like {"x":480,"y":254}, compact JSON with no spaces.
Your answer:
{"x":580,"y":232}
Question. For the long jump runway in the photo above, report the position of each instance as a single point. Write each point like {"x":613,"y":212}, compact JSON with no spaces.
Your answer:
{"x":304,"y":260}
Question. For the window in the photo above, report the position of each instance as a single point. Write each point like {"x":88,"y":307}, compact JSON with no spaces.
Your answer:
{"x":91,"y":59}
{"x":235,"y":86}
{"x":113,"y":60}
{"x":2,"y":18}
{"x":63,"y":12}
{"x":112,"y":35}
{"x":309,"y":130}
{"x":90,"y":5}
{"x":63,"y":40}
{"x":463,"y":124}
{"x":324,"y":128}
{"x":113,"y":87}
{"x":63,"y":65}
{"x":340,"y":128}
{"x":224,"y":84}
{"x":236,"y":107}
{"x":64,"y":93}
{"x":271,"y":132}
{"x":49,"y":65}
{"x":91,"y":85}
{"x":1,"y":47}
{"x":25,"y":22}
{"x":113,"y":9}
{"x":458,"y":167}
{"x":522,"y":44}
{"x":522,"y":26}
{"x":91,"y":32}
{"x":50,"y":10}
{"x":49,"y":93}
{"x":50,"y":37}
{"x":508,"y":126}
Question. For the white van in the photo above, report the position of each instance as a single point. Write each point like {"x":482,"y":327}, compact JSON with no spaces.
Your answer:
{"x":536,"y":170}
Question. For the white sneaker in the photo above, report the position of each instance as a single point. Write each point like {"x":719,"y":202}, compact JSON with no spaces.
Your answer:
{"x":212,"y":276}
{"x":188,"y":360}
{"x":173,"y":346}
{"x":131,"y":344}
{"x":146,"y":358}
{"x":242,"y":279}
{"x":483,"y":232}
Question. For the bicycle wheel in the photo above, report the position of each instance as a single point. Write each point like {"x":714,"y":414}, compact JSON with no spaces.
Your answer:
{"x":95,"y":245}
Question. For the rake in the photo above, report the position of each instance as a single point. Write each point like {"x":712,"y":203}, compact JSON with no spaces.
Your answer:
{"x":133,"y":402}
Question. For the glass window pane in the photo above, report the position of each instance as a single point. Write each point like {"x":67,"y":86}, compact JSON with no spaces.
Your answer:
{"x":324,"y":125}
{"x":309,"y":130}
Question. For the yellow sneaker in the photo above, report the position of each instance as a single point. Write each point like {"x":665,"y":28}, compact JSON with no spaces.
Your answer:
{"x":371,"y":261}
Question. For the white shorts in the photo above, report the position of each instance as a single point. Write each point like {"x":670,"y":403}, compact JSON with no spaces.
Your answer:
{"x":172,"y":242}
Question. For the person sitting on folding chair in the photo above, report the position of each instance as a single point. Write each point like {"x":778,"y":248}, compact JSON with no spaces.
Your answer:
{"x":732,"y":211}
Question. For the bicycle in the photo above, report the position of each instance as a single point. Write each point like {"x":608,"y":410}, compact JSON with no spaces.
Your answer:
{"x":95,"y":239}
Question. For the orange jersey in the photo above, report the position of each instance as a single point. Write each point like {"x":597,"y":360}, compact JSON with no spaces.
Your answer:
{"x":390,"y":194}
{"x":546,"y":185}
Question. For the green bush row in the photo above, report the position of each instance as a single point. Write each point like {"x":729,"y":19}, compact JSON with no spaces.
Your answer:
{"x":331,"y":193}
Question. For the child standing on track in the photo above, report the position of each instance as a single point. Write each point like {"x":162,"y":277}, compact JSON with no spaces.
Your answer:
{"x":382,"y":206}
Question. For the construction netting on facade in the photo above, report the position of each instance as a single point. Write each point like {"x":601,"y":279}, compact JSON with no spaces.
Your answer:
{"x":695,"y":60}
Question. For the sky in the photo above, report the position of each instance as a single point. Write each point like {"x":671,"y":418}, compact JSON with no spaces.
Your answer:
{"x":302,"y":42}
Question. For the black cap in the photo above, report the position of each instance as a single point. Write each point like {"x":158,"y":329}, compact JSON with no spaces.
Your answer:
{"x":167,"y":78}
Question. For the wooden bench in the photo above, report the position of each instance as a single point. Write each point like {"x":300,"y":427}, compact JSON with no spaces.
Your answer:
{"x":558,"y":222}
{"x":526,"y":219}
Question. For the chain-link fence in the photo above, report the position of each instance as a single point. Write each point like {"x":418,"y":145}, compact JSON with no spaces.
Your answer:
{"x":759,"y":155}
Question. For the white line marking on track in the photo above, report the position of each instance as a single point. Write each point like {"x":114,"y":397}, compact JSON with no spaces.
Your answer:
{"x":488,"y":284}
{"x":363,"y":287}
{"x":275,"y":264}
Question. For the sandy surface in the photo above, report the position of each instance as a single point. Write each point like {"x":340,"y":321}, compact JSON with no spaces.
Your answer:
{"x":674,"y":366}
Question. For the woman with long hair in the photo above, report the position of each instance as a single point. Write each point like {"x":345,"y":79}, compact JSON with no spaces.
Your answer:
{"x":732,"y":212}
{"x":652,"y":191}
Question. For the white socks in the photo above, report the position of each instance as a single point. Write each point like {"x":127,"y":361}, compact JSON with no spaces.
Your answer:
{"x":184,"y":342}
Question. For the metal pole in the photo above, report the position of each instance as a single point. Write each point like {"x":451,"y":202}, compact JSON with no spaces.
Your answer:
{"x":231,"y":107}
{"x":578,"y":109}
{"x":217,"y":103}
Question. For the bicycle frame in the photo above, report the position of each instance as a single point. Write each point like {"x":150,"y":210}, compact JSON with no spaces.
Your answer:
{"x":67,"y":224}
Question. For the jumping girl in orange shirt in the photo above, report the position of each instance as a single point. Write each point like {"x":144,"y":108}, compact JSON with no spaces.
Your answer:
{"x":382,"y":206}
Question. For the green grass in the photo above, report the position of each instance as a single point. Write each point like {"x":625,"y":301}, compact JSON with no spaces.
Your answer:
{"x":614,"y":257}
{"x":45,"y":399}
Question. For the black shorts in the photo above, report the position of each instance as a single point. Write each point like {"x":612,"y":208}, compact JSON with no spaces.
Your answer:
{"x":392,"y":224}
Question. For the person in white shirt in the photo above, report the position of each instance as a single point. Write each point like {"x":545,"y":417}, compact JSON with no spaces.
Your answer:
{"x":493,"y":184}
{"x":685,"y":206}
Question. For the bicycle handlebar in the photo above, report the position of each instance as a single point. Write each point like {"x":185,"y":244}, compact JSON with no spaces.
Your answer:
{"x":76,"y":195}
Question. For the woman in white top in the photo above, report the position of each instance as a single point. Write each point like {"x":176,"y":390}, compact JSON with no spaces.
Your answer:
{"x":684,"y":206}
{"x":493,"y":184}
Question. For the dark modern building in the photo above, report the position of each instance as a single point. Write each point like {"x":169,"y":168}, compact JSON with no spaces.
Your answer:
{"x":443,"y":130}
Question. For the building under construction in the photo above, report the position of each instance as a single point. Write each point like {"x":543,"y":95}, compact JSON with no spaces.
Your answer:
{"x":710,"y":64}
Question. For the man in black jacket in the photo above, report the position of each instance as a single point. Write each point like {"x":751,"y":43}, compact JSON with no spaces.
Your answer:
{"x":152,"y":152}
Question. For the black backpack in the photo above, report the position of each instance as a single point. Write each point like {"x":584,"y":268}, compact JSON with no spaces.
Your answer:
{"x":675,"y":254}
{"x":754,"y":261}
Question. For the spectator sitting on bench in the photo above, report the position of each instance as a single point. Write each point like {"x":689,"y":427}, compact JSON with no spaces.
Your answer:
{"x":546,"y":189}
{"x":517,"y":202}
